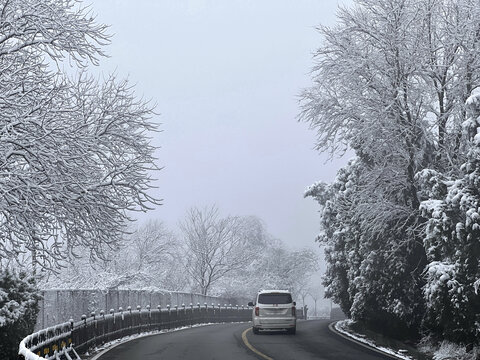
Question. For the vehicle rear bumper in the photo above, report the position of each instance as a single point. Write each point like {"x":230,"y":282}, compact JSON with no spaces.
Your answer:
{"x":274,"y":323}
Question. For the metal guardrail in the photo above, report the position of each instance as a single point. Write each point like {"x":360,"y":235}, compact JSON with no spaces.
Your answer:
{"x":66,"y":341}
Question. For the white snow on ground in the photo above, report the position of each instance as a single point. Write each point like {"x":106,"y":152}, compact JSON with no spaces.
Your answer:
{"x":343,"y":325}
{"x":448,"y":351}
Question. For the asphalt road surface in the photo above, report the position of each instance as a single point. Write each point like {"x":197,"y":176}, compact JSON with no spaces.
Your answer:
{"x":225,"y":341}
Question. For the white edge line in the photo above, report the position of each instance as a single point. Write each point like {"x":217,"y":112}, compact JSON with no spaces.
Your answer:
{"x":367,"y":346}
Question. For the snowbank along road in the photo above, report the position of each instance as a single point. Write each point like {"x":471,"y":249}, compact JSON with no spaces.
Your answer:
{"x":236,"y":342}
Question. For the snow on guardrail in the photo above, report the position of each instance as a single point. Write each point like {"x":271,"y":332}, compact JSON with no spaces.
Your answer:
{"x":70,"y":339}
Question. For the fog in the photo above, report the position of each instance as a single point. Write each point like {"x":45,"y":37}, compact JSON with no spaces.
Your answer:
{"x":225,"y":76}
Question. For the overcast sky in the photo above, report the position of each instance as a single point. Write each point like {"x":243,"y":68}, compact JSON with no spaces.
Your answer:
{"x":225,"y":76}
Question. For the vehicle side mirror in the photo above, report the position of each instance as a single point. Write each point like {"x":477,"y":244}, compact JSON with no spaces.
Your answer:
{"x":250,"y":303}
{"x":294,"y":303}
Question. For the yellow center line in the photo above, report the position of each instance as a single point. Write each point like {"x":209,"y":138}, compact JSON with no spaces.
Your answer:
{"x":247,"y":344}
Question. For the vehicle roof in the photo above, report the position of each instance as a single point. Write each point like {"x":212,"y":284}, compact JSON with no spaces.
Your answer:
{"x":274,"y":291}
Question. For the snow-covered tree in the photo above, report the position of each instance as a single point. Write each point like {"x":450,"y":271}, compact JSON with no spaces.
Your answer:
{"x":275,"y":267}
{"x":340,"y":234}
{"x":391,"y":80}
{"x":216,"y":246}
{"x":316,"y":293}
{"x":75,"y":156}
{"x":150,"y":256}
{"x":453,"y":245}
{"x":18,"y":310}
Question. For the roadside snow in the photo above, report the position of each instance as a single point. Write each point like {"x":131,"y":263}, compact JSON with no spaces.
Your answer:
{"x":343,"y":325}
{"x":448,"y":351}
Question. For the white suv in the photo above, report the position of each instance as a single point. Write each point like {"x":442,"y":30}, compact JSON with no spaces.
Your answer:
{"x":274,"y":309}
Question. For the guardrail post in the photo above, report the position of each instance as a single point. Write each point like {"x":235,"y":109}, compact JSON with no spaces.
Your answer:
{"x":138,"y":324}
{"x":191,"y":315}
{"x":94,"y":328}
{"x":70,"y":339}
{"x":122,"y":322}
{"x":109,"y":326}
{"x":176,"y":315}
{"x":149,"y":318}
{"x":83,"y":331}
{"x":130,"y":328}
{"x":184,"y":316}
{"x":199,"y":315}
{"x":102,"y":314}
{"x":158,"y":323}
{"x":169,"y":316}
{"x":93,"y":315}
{"x":204,"y":317}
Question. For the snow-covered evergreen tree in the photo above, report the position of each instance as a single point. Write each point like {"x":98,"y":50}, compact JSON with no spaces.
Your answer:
{"x":368,"y":274}
{"x":339,"y":234}
{"x":18,"y":310}
{"x":453,"y":246}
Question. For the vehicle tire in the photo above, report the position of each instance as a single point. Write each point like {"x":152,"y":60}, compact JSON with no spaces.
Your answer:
{"x":292,"y":331}
{"x":255,"y":330}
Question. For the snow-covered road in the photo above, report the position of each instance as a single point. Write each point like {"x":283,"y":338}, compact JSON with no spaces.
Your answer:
{"x":225,"y":341}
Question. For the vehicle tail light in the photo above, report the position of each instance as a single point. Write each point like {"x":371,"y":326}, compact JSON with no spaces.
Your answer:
{"x":257,"y":311}
{"x":294,"y":311}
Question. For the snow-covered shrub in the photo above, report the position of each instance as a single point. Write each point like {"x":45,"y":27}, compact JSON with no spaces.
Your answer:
{"x":18,"y":310}
{"x":448,"y":351}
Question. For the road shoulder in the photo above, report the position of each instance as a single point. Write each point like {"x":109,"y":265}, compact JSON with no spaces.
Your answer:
{"x":341,"y":328}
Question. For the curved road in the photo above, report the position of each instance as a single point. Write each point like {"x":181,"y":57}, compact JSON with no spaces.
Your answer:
{"x":224,"y":341}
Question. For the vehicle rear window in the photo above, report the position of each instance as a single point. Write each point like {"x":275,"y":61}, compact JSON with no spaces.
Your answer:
{"x":274,"y":298}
